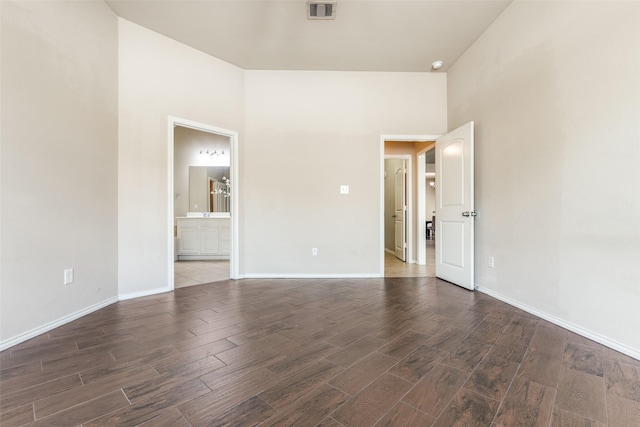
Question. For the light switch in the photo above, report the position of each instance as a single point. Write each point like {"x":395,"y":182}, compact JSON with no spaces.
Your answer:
{"x":344,"y":189}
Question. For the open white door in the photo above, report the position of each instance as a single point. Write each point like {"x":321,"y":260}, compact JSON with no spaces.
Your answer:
{"x":400,"y":212}
{"x":455,"y":213}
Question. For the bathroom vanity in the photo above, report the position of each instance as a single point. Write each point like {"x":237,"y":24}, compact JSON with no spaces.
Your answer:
{"x":207,"y":236}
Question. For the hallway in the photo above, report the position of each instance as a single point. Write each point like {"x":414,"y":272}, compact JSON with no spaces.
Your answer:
{"x":393,"y":267}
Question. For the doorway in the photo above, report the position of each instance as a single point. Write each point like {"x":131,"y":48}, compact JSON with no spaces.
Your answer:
{"x":430,"y":192}
{"x":395,"y":206}
{"x":419,"y":261}
{"x":204,"y":226}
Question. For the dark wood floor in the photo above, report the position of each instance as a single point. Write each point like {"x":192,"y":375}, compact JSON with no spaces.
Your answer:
{"x":384,"y":352}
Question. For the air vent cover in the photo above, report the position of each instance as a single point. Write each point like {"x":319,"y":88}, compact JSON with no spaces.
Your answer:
{"x":318,"y":9}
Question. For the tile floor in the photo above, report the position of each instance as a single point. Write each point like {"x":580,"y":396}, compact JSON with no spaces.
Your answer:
{"x":188,"y":273}
{"x":393,"y":267}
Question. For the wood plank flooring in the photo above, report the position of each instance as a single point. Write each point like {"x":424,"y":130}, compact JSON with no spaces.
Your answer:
{"x":362,"y":352}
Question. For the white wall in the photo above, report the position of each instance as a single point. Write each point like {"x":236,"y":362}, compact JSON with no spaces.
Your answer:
{"x":322,"y":130}
{"x":160,"y":77}
{"x":59,"y":163}
{"x":554,"y":89}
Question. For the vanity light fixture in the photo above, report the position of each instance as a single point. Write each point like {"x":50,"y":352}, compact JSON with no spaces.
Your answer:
{"x":212,"y":153}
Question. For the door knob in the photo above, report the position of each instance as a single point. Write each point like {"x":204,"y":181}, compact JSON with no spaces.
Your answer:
{"x":467,"y":213}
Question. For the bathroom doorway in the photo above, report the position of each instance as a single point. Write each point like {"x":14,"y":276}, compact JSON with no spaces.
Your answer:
{"x":204,"y":203}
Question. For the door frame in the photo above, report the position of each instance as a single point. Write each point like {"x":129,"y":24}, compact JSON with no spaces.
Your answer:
{"x":421,"y":253}
{"x":234,"y":257}
{"x":420,"y":199}
{"x":406,"y":165}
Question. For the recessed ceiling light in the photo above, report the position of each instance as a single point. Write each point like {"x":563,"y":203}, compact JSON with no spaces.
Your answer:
{"x":436,"y":65}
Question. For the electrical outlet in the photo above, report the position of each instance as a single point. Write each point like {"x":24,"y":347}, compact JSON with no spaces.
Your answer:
{"x":68,"y":276}
{"x":344,"y":189}
{"x":314,"y":251}
{"x":491,"y":262}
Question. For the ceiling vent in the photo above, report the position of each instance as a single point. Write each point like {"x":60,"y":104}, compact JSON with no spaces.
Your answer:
{"x":318,"y":9}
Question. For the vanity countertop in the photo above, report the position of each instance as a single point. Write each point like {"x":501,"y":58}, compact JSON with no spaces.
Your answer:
{"x":206,"y":215}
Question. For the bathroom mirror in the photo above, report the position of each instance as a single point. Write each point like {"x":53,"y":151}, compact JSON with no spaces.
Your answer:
{"x":209,"y":189}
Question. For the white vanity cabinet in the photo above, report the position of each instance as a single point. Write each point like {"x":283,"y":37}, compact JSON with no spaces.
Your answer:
{"x":204,"y":238}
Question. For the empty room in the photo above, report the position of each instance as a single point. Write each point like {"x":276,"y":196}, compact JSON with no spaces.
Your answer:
{"x":196,"y":227}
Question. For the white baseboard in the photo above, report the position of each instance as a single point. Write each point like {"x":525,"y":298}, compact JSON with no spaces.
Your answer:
{"x":631,"y":352}
{"x":309,"y":276}
{"x":54,"y":324}
{"x":132,"y":295}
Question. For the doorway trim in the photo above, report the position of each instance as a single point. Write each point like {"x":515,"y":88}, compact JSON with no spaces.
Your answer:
{"x":408,"y":225}
{"x":420,"y":199}
{"x":234,"y":259}
{"x":421,"y":256}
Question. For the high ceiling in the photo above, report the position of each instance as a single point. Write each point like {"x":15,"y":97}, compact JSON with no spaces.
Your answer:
{"x":372,"y":35}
